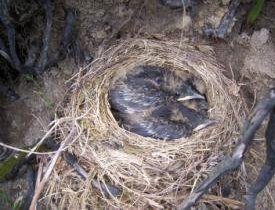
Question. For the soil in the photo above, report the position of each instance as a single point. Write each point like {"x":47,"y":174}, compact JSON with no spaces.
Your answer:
{"x":247,"y":52}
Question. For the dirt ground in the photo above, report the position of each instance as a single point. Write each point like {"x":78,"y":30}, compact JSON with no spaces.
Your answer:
{"x":247,"y":52}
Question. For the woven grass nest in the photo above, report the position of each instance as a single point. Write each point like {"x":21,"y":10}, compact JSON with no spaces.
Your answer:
{"x":148,"y":173}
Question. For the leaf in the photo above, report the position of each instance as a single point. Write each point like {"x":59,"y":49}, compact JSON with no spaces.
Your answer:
{"x":255,"y":11}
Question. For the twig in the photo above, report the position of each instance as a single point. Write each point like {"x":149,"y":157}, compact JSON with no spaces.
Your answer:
{"x":43,"y":139}
{"x":46,"y":176}
{"x":67,"y":36}
{"x":28,"y":198}
{"x":107,"y":189}
{"x":227,"y":19}
{"x":26,"y":151}
{"x":268,"y":170}
{"x":4,"y":52}
{"x":42,"y":61}
{"x":39,"y":174}
{"x":31,"y":57}
{"x":5,"y":19}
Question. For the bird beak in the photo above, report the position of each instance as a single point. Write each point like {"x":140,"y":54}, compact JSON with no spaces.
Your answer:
{"x":191,"y":97}
{"x":206,"y":124}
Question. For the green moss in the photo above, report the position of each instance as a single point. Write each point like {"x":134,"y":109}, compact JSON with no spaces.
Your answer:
{"x":6,"y":199}
{"x":42,"y":93}
{"x":7,"y":165}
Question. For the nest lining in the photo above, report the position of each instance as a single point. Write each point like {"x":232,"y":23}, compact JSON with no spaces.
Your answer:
{"x":149,"y":173}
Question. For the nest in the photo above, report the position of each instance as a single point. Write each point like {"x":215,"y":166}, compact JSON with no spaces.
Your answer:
{"x":147,"y":172}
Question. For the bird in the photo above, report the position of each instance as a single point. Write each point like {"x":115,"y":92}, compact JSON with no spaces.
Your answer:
{"x":156,"y":102}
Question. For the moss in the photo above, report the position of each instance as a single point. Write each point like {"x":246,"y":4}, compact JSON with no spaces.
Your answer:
{"x":7,"y":165}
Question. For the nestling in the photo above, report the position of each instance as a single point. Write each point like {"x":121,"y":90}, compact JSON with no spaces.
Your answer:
{"x":158,"y":103}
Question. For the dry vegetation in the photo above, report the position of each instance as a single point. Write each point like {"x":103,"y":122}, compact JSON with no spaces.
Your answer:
{"x":148,"y":172}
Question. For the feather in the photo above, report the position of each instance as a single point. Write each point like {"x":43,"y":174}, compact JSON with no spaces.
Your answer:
{"x":158,"y":103}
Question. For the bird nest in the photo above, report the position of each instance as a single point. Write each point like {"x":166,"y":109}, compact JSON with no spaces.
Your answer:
{"x":119,"y":168}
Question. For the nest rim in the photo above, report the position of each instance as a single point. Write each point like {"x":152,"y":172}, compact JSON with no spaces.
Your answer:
{"x":148,"y":172}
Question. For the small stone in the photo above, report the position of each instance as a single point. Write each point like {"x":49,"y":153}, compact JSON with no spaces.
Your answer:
{"x":88,"y":58}
{"x":123,"y":11}
{"x":101,"y":34}
{"x":225,"y":2}
{"x":184,"y":23}
{"x":54,"y":72}
{"x":100,"y":13}
{"x":243,"y":39}
{"x":259,"y":38}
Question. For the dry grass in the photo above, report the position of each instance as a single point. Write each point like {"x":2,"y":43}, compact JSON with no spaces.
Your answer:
{"x":148,"y":172}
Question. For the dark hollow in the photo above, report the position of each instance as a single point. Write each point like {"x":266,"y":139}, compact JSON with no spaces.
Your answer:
{"x":145,"y":102}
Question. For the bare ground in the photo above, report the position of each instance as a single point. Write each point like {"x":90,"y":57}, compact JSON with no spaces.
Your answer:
{"x":245,"y":53}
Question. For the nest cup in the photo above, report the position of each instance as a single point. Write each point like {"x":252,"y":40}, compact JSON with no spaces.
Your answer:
{"x":146,"y":172}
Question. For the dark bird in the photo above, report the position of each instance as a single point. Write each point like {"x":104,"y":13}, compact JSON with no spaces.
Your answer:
{"x":154,"y":102}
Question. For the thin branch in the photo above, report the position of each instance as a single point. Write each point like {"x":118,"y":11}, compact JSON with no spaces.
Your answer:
{"x":30,"y":180}
{"x":4,"y":52}
{"x":67,"y":36}
{"x":31,"y":57}
{"x":50,"y":168}
{"x":227,"y":19}
{"x":42,"y":61}
{"x":107,"y":189}
{"x":268,"y":170}
{"x":26,"y":151}
{"x":5,"y":19}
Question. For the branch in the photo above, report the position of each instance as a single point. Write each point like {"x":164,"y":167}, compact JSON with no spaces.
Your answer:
{"x":4,"y":52}
{"x":66,"y":38}
{"x":42,"y":61}
{"x":107,"y":189}
{"x":40,"y":185}
{"x":225,"y":22}
{"x":268,"y":170}
{"x":5,"y":19}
